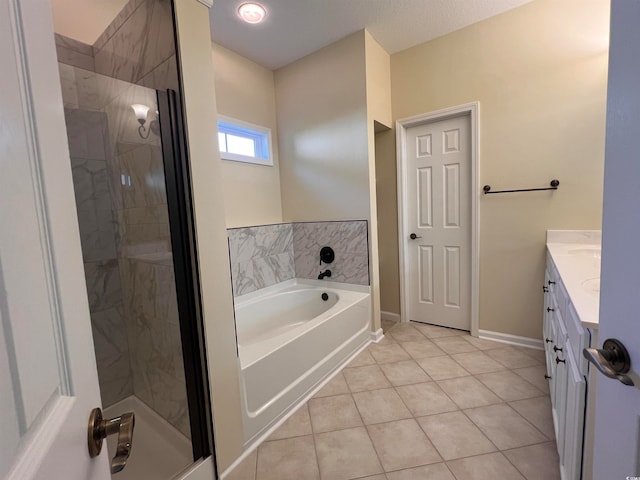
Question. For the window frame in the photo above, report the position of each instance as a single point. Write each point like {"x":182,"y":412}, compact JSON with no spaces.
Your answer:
{"x":256,"y":133}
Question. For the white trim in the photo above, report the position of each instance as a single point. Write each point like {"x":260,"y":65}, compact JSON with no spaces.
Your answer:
{"x":473,"y":110}
{"x":206,"y":3}
{"x":511,"y":339}
{"x":376,"y":336}
{"x":390,"y":316}
{"x":250,"y":447}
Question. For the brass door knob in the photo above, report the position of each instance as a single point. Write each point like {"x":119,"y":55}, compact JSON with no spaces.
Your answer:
{"x":99,"y":429}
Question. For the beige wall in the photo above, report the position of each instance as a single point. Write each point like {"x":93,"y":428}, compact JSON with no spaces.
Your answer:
{"x":215,"y":277}
{"x":322,"y":122}
{"x":387,"y":207}
{"x":378,"y":88}
{"x":245,"y":91}
{"x":539,"y":72}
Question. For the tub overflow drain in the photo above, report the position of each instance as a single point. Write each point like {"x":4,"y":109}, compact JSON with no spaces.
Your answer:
{"x":325,"y":297}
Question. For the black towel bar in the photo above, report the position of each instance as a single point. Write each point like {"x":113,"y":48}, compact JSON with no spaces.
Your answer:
{"x":553,"y":186}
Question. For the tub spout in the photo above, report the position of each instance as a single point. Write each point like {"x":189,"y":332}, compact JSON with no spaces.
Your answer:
{"x":326,"y":273}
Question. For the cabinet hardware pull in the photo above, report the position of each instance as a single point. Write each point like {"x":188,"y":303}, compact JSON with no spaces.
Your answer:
{"x":548,"y":340}
{"x":556,"y":349}
{"x":550,"y":282}
{"x":548,"y":377}
{"x":545,"y":289}
{"x":549,"y":309}
{"x":560,"y":361}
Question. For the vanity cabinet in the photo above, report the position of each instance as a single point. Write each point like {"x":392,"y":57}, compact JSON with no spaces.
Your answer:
{"x":564,"y":338}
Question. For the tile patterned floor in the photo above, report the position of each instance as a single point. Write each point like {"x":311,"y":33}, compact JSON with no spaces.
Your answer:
{"x":425,"y":403}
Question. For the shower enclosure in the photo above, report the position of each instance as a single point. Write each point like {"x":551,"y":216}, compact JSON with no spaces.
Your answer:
{"x":132,"y":197}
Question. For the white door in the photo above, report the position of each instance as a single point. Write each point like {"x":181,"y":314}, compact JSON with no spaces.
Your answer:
{"x":617,"y":426}
{"x":438,"y":229}
{"x":49,"y":382}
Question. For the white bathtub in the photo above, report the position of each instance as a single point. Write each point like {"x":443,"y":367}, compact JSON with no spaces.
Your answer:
{"x":290,"y":340}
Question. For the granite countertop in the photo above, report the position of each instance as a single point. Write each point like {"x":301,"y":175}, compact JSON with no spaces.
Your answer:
{"x":576,"y":255}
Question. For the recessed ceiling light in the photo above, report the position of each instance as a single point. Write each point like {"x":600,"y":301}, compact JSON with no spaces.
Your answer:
{"x":252,"y":12}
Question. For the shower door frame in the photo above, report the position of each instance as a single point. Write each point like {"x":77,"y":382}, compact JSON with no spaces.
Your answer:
{"x":186,"y":271}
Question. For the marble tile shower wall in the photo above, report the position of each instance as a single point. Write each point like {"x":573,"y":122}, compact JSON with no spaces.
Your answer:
{"x":122,"y":205}
{"x":262,"y":256}
{"x":98,"y":238}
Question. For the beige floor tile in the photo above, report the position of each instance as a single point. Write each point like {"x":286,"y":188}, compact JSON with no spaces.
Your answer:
{"x":455,"y":436}
{"x":365,"y":378}
{"x":404,"y":373}
{"x":440,"y":368}
{"x":402,"y":444}
{"x":455,"y":344}
{"x":512,"y":357}
{"x":477,"y":362}
{"x":426,"y":399}
{"x":467,"y":392}
{"x":537,"y":462}
{"x":491,"y":466}
{"x":333,"y":413}
{"x":296,"y":425}
{"x":535,"y":353}
{"x":509,"y":386}
{"x":433,"y":331}
{"x":535,"y":376}
{"x":386,"y":340}
{"x":538,"y":412}
{"x":381,"y":476}
{"x":387,"y":325}
{"x":504,"y":426}
{"x":346,"y":454}
{"x":246,"y":470}
{"x":363,"y":358}
{"x":335,"y":386}
{"x":388,"y":353}
{"x":378,"y":406}
{"x":406,"y":333}
{"x":289,"y":459}
{"x":423,"y":349}
{"x":482,"y":343}
{"x":438,"y":471}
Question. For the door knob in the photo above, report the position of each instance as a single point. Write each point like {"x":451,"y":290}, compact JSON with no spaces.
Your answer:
{"x":413,"y":236}
{"x":611,"y":360}
{"x":99,"y":429}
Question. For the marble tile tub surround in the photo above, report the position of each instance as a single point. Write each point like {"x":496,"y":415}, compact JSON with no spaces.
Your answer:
{"x":349,"y":241}
{"x":265,"y":255}
{"x":260,"y":256}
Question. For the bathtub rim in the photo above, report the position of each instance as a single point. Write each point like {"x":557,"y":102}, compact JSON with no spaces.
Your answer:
{"x":353,"y":294}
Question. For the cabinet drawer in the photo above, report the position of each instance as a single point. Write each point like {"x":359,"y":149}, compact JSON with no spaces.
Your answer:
{"x":574,"y":420}
{"x":579,"y":338}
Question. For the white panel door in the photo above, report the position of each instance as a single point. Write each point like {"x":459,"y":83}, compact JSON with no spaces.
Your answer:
{"x":617,"y":424}
{"x":438,"y":170}
{"x":49,"y":381}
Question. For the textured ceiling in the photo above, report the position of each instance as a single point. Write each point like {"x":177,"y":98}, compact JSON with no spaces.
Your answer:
{"x":295,"y":28}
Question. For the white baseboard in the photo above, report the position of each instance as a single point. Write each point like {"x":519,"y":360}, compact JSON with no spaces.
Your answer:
{"x":390,"y":316}
{"x":511,"y":339}
{"x":376,"y":336}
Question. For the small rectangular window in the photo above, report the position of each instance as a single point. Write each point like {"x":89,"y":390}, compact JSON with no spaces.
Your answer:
{"x":244,"y":142}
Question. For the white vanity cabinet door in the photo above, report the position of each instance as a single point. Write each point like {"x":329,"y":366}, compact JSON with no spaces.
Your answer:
{"x":559,"y":380}
{"x":574,"y":420}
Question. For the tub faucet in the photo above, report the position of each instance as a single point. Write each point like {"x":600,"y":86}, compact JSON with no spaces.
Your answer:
{"x":326,"y":273}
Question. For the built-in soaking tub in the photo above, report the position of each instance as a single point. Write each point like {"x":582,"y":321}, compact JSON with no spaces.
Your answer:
{"x":290,"y":339}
